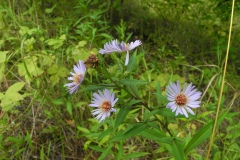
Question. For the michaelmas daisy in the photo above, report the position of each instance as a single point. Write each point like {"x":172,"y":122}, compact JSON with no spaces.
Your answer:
{"x":104,"y":103}
{"x":115,"y":46}
{"x":76,"y":78}
{"x":181,"y":102}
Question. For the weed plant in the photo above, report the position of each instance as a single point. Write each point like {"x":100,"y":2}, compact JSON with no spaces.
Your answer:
{"x":184,"y":41}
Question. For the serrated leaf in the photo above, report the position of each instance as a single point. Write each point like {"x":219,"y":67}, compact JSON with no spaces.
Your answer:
{"x":81,"y":44}
{"x":53,"y":69}
{"x":15,"y":88}
{"x":3,"y":56}
{"x":62,"y":72}
{"x":2,"y":67}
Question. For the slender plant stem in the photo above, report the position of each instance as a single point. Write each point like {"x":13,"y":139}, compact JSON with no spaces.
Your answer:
{"x":222,"y":85}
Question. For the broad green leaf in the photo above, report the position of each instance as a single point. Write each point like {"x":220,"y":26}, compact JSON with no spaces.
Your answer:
{"x":15,"y":88}
{"x":69,"y":107}
{"x":81,"y":44}
{"x":2,"y":67}
{"x":123,"y":112}
{"x":132,"y":63}
{"x":59,"y":101}
{"x":204,"y":133}
{"x":104,"y":140}
{"x":120,"y":151}
{"x":178,"y":150}
{"x":158,"y":93}
{"x":156,"y":135}
{"x":42,"y":153}
{"x":106,"y":152}
{"x":92,"y":88}
{"x":133,"y":82}
{"x":168,"y":113}
{"x":131,"y":131}
{"x":104,"y":133}
{"x":1,"y":96}
{"x":149,"y":114}
{"x":3,"y":56}
{"x":136,"y":129}
{"x":84,"y":130}
{"x":135,"y":155}
{"x":53,"y":69}
{"x":121,"y":115}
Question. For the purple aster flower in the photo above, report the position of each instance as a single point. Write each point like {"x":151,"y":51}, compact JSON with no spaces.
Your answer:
{"x":115,"y":46}
{"x":104,"y":102}
{"x":76,"y":77}
{"x":182,"y":101}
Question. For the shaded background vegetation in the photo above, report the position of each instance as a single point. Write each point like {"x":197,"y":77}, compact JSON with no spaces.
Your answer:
{"x":184,"y":38}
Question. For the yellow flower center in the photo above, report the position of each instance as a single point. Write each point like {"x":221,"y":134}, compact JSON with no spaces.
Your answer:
{"x":106,"y":106}
{"x":181,"y":100}
{"x":78,"y":78}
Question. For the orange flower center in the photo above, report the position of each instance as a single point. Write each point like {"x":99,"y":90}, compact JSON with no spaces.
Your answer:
{"x":106,"y":106}
{"x":181,"y":100}
{"x":78,"y":78}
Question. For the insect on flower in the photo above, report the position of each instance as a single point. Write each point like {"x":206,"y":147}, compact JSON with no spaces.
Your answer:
{"x":115,"y":46}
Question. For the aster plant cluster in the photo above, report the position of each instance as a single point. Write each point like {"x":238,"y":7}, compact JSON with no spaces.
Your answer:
{"x":180,"y":101}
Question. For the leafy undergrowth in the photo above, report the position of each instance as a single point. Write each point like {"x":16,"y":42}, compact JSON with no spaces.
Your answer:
{"x":41,"y":41}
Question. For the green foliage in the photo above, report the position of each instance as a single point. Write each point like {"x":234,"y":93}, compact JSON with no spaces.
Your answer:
{"x":182,"y":40}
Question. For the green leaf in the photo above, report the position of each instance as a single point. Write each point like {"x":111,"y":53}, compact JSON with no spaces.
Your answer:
{"x":178,"y":150}
{"x":81,"y":44}
{"x":59,"y":101}
{"x":168,"y":113}
{"x":156,"y":135}
{"x":69,"y":107}
{"x":120,"y":151}
{"x":3,"y":56}
{"x":136,"y":129}
{"x":158,"y":93}
{"x":92,"y":88}
{"x":132,"y":63}
{"x":15,"y":88}
{"x":121,"y":115}
{"x":53,"y":69}
{"x":135,"y":155}
{"x":203,"y":134}
{"x":106,"y":152}
{"x":84,"y":130}
{"x":129,"y":82}
{"x":2,"y":68}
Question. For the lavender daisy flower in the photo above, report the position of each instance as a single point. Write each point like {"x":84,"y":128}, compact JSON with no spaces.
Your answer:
{"x":76,"y":77}
{"x":104,"y":102}
{"x":182,"y":101}
{"x":115,"y":46}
